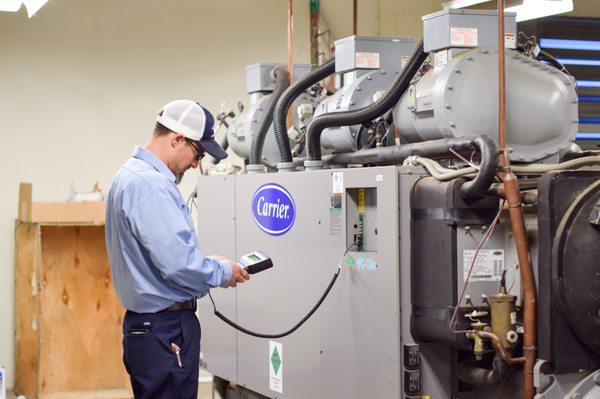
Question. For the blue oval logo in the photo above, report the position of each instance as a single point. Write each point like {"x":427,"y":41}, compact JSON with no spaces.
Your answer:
{"x":273,"y":209}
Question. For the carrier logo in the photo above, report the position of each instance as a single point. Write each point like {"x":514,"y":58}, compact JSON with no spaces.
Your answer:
{"x":273,"y":209}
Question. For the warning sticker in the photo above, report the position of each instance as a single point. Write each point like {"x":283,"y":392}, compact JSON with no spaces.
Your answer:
{"x":463,"y":36}
{"x":338,"y":182}
{"x":275,"y":366}
{"x":488,"y":265}
{"x":367,"y":60}
{"x":510,"y":40}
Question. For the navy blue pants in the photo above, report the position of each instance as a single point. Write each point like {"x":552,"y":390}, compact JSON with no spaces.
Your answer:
{"x":152,"y":365}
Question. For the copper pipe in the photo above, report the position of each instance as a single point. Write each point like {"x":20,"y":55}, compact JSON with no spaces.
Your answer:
{"x":513,"y":197}
{"x":314,"y":33}
{"x":501,"y":82}
{"x":500,"y":350}
{"x":355,"y":17}
{"x":290,"y":33}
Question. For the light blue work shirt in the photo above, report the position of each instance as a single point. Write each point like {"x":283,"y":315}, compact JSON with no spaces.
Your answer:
{"x":151,"y":241}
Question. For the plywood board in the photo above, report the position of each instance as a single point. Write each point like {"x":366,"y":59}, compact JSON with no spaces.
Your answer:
{"x":81,"y":316}
{"x":27,"y":308}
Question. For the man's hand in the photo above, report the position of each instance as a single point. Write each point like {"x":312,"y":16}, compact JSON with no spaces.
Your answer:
{"x":238,"y":275}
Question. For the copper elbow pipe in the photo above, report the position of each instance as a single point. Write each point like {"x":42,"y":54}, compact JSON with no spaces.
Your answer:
{"x":500,"y":350}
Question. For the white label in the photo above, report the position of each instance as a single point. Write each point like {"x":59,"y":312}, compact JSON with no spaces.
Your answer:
{"x":510,"y":40}
{"x":441,"y":58}
{"x":488,"y":265}
{"x":404,"y":60}
{"x":367,"y":60}
{"x":338,"y":182}
{"x":463,"y":36}
{"x":275,"y":366}
{"x":513,"y":318}
{"x":378,"y":177}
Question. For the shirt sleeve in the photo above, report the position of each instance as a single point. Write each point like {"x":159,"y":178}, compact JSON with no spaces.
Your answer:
{"x":159,"y":224}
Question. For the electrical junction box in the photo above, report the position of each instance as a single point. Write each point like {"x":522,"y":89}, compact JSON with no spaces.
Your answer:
{"x":365,"y":52}
{"x":467,"y":28}
{"x":259,"y":77}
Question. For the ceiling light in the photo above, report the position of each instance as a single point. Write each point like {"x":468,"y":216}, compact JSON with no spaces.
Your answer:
{"x":32,"y":6}
{"x":532,"y":9}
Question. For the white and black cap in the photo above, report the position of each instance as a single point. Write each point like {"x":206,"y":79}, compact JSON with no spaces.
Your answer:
{"x":195,"y":122}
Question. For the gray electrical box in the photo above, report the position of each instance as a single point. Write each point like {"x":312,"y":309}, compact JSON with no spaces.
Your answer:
{"x":467,"y":28}
{"x":364,"y":52}
{"x":260,"y":78}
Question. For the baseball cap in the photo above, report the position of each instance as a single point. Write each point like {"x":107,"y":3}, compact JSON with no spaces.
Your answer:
{"x":195,"y":122}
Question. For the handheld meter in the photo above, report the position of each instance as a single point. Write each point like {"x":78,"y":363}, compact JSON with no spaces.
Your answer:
{"x":256,"y":261}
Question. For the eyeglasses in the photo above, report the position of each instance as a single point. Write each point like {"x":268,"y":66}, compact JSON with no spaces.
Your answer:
{"x":198,"y":151}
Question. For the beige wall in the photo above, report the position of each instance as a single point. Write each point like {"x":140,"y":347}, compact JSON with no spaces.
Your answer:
{"x":80,"y":84}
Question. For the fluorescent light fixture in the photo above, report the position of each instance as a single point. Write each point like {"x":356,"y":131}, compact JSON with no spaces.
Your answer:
{"x":587,"y":136}
{"x":32,"y":6}
{"x":532,"y":9}
{"x":588,"y":84}
{"x":579,"y":61}
{"x":461,"y":3}
{"x":568,"y":44}
{"x":10,"y":5}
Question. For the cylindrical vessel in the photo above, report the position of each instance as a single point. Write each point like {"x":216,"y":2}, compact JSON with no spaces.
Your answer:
{"x":459,"y":97}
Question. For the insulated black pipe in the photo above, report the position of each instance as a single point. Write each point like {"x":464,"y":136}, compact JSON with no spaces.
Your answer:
{"x":368,"y":113}
{"x":434,"y":149}
{"x":282,"y":81}
{"x":286,"y":100}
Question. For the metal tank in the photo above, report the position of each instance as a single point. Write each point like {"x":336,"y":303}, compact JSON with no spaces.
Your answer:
{"x":259,"y":85}
{"x":459,"y":97}
{"x":369,"y":65}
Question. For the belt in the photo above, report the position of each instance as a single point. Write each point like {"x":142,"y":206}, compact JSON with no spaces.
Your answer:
{"x":187,"y":305}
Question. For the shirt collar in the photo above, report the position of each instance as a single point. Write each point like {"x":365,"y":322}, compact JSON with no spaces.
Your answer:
{"x":154,"y":161}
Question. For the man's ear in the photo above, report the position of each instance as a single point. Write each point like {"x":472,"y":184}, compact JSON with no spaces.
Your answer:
{"x":177,"y":139}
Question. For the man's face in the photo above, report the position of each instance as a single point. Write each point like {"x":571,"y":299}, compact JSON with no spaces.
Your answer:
{"x":185,"y":155}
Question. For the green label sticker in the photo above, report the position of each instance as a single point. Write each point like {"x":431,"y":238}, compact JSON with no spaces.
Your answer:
{"x":275,"y":360}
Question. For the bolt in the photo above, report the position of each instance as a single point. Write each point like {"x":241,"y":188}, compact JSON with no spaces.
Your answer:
{"x":452,"y":124}
{"x":351,"y":103}
{"x":470,"y":59}
{"x":457,"y":71}
{"x":369,"y":78}
{"x":383,"y":72}
{"x":450,"y":88}
{"x":358,"y":88}
{"x":448,"y":106}
{"x":576,"y":395}
{"x":574,"y":101}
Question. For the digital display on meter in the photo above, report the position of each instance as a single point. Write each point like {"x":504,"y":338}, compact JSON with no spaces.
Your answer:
{"x":256,"y":261}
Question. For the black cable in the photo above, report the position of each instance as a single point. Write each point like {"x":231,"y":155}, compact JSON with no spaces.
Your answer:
{"x":291,"y":330}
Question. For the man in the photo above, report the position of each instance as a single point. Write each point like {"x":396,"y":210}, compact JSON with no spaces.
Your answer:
{"x":157,"y":267}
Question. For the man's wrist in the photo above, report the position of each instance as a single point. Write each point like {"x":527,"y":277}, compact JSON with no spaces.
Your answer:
{"x":227,"y":272}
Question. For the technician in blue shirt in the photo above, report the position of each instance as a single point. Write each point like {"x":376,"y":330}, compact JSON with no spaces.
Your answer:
{"x":157,"y":267}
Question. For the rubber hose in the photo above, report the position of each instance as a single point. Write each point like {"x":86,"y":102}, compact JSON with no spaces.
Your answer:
{"x":488,"y":168}
{"x":282,"y":81}
{"x":285,"y":102}
{"x":368,"y":113}
{"x":473,"y":189}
